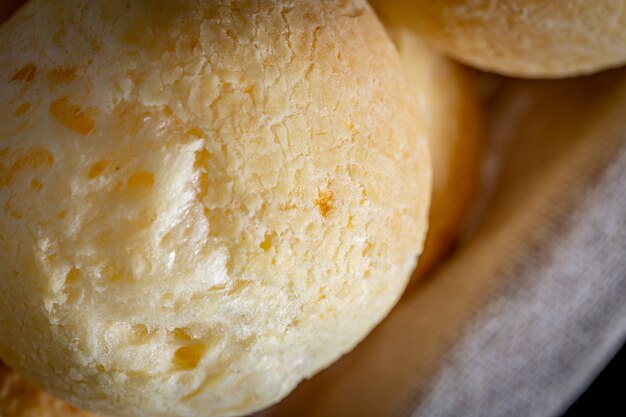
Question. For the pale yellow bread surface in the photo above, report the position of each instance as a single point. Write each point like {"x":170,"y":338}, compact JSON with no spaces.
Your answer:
{"x":450,"y":104}
{"x":449,"y":97}
{"x":200,"y":204}
{"x":18,"y":397}
{"x":524,"y":38}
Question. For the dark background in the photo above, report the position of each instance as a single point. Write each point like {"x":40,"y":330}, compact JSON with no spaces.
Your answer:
{"x":607,"y":394}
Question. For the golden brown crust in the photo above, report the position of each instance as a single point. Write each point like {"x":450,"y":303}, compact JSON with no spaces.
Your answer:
{"x":525,"y":38}
{"x":197,"y":215}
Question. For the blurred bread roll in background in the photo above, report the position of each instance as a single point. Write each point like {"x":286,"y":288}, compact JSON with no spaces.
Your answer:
{"x":450,"y":104}
{"x":524,"y":38}
{"x":200,"y":204}
{"x":19,"y":398}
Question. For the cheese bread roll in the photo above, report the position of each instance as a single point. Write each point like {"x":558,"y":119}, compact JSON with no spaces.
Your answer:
{"x":201,"y":202}
{"x":523,"y":38}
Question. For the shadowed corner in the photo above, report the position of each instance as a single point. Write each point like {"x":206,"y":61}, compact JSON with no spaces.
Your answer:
{"x":8,"y":7}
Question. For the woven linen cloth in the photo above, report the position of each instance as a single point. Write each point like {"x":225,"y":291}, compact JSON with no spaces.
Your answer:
{"x":532,"y":305}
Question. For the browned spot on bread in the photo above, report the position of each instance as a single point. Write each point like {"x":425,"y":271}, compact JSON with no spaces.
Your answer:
{"x":26,"y":73}
{"x":21,"y":109}
{"x":72,"y":116}
{"x":188,"y":357}
{"x":324,"y":201}
{"x":62,"y":75}
{"x":97,"y":169}
{"x":141,"y":179}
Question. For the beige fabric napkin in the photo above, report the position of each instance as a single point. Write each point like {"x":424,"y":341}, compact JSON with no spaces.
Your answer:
{"x":533,"y":305}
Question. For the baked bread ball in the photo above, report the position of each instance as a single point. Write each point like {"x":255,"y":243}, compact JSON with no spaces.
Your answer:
{"x":201,"y":203}
{"x":523,"y":38}
{"x":448,"y":98}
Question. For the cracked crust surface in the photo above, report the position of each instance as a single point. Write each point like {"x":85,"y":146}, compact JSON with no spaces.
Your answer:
{"x":201,"y":203}
{"x":524,"y":38}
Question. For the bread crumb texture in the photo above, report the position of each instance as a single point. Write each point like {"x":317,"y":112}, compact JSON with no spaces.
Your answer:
{"x":527,"y":38}
{"x":201,"y":202}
